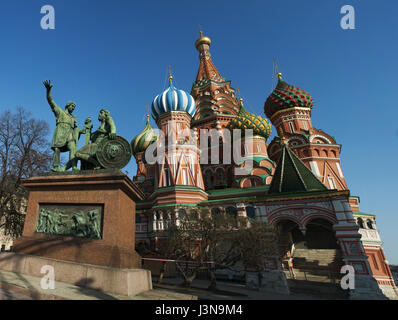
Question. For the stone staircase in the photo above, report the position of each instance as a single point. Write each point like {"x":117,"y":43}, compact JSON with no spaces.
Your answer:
{"x":317,"y":272}
{"x":317,"y":258}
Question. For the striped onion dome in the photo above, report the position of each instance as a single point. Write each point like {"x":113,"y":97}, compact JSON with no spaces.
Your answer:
{"x":286,"y":96}
{"x":143,"y":140}
{"x":246,"y":120}
{"x":172,"y":99}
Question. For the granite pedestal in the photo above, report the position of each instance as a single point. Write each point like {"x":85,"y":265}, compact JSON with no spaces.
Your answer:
{"x":111,"y":256}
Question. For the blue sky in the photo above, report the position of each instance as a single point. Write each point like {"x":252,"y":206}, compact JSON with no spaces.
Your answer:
{"x":115,"y":54}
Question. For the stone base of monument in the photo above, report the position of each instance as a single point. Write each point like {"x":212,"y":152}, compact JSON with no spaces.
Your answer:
{"x":122,"y":281}
{"x":84,"y":225}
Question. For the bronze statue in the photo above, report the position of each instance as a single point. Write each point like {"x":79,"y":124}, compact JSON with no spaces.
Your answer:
{"x":107,"y":129}
{"x":66,"y":132}
{"x":106,"y":150}
{"x":87,"y":131}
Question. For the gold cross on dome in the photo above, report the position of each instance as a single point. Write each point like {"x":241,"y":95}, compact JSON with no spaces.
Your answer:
{"x":237,"y":89}
{"x":278,"y":74}
{"x":170,"y":76}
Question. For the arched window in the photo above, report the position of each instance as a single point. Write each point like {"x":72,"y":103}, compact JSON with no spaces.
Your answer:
{"x":250,"y":212}
{"x":233,"y":213}
{"x":360,"y":223}
{"x":209,"y":179}
{"x":231,"y":210}
{"x":215,"y":211}
{"x":369,"y":224}
{"x":181,"y":214}
{"x":230,"y":175}
{"x":220,"y":176}
{"x":194,"y":215}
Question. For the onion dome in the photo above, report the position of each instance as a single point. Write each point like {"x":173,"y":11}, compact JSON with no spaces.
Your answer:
{"x":143,"y":140}
{"x":202,"y":40}
{"x":246,"y":120}
{"x":286,"y":96}
{"x":172,"y":99}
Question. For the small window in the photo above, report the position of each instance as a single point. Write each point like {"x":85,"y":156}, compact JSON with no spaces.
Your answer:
{"x":331,"y":182}
{"x":184,"y":176}
{"x":291,"y":127}
{"x":166,"y":177}
{"x":305,"y":125}
{"x":258,"y":148}
{"x":339,"y":170}
{"x":375,"y":261}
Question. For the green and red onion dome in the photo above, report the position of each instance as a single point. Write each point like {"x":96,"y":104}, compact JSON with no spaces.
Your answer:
{"x":286,"y":96}
{"x":246,"y":120}
{"x":144,"y":139}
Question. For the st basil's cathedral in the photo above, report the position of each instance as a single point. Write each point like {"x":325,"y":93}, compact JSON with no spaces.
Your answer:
{"x":294,"y":182}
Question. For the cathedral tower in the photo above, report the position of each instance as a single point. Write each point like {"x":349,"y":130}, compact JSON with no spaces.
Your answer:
{"x":178,"y":178}
{"x":289,"y":109}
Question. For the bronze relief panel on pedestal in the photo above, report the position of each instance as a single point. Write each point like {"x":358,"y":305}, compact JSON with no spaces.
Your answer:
{"x":83,"y":221}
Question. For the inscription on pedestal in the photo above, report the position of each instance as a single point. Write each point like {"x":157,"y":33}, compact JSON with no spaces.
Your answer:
{"x":83,"y":221}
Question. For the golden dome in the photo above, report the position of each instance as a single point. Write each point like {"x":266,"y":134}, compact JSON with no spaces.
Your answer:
{"x":202,"y":40}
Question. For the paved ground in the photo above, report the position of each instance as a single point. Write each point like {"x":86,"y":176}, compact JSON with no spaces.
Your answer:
{"x":15,"y":286}
{"x":227,"y":291}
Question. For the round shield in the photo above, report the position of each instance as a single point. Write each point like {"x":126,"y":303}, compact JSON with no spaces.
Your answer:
{"x":113,"y":154}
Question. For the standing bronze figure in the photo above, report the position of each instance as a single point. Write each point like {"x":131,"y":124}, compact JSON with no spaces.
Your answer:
{"x":66,"y":133}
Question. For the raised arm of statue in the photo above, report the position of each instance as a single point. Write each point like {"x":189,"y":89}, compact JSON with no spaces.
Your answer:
{"x":50,"y":100}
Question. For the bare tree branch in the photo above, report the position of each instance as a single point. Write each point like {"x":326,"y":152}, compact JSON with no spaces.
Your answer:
{"x":24,"y":152}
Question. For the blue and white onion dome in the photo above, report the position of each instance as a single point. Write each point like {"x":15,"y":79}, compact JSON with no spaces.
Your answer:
{"x":172,"y":99}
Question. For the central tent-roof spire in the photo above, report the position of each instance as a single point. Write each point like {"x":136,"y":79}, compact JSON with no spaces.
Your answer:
{"x":207,"y":69}
{"x":212,"y":93}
